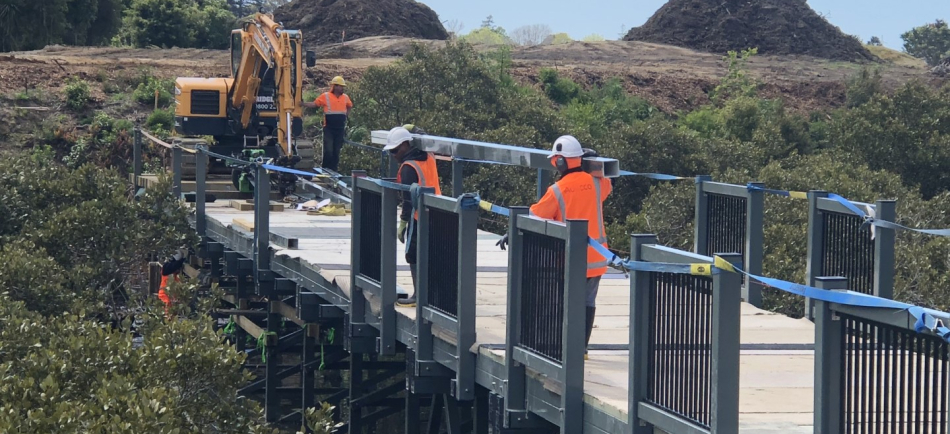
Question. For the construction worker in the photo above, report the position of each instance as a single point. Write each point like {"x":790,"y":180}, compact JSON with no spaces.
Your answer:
{"x":336,"y":107}
{"x":170,"y":269}
{"x":578,"y":195}
{"x":416,"y":167}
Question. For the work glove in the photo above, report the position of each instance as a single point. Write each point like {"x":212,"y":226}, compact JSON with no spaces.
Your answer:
{"x":503,"y":242}
{"x":403,"y":225}
{"x":590,"y":153}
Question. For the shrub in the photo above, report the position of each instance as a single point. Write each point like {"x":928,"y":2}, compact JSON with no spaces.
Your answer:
{"x":864,"y":86}
{"x":145,"y":92}
{"x":77,"y":93}
{"x":161,"y":119}
{"x":559,"y":90}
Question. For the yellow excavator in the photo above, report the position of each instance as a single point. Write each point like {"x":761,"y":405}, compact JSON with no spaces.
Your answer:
{"x":256,"y":113}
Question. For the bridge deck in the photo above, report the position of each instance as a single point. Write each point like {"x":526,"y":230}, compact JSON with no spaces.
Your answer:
{"x":776,"y":359}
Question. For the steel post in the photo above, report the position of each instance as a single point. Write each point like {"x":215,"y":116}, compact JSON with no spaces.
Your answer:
{"x":829,"y":335}
{"x":357,"y":301}
{"x":356,"y":388}
{"x":307,"y":364}
{"x":424,"y":338}
{"x":458,"y":187}
{"x":515,"y":393}
{"x":176,"y":172}
{"x":544,"y":181}
{"x":816,"y":241}
{"x":641,"y":318}
{"x":271,"y":398}
{"x":201,"y":222}
{"x":261,"y":223}
{"x":724,"y":406}
{"x":886,"y":210}
{"x":467,"y":275}
{"x":573,"y":328}
{"x":386,"y":342}
{"x":701,"y":226}
{"x":754,"y":244}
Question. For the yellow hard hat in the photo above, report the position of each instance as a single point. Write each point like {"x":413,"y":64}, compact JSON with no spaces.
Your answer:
{"x":338,"y":80}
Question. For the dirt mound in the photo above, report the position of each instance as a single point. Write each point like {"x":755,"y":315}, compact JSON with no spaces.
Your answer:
{"x":325,"y":21}
{"x":776,"y":27}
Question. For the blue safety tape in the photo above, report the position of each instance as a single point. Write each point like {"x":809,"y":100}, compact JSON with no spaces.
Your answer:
{"x":289,"y":170}
{"x":786,"y":193}
{"x":883,"y":223}
{"x":848,"y":204}
{"x":490,"y":207}
{"x":657,"y":176}
{"x":468,"y":201}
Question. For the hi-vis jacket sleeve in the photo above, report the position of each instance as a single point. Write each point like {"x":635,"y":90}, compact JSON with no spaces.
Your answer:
{"x":547,"y":207}
{"x":606,"y":187}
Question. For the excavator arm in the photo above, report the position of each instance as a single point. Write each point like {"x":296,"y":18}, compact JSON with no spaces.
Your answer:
{"x":265,"y":44}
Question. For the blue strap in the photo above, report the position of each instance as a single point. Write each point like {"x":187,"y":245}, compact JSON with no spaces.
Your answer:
{"x":468,"y":201}
{"x":490,"y":207}
{"x":288,"y":170}
{"x":895,"y":226}
{"x":848,"y":204}
{"x":786,"y":193}
{"x":657,"y":176}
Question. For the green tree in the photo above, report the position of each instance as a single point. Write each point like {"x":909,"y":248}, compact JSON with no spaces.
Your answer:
{"x":594,"y":37}
{"x":177,"y":23}
{"x":930,"y":42}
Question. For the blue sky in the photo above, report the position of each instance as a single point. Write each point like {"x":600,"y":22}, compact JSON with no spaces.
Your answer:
{"x":865,"y":18}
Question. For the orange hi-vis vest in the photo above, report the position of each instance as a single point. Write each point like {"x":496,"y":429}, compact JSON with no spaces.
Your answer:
{"x":428,"y":175}
{"x":334,"y":109}
{"x":579,"y":196}
{"x":162,"y":295}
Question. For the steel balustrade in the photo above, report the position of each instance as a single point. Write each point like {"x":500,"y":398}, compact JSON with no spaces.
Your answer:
{"x":729,"y":219}
{"x":684,"y":345}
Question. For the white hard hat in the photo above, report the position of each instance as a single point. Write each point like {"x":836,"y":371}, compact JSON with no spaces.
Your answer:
{"x":566,"y":146}
{"x":396,"y":137}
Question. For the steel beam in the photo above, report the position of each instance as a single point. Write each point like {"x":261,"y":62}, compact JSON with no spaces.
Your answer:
{"x":497,"y":153}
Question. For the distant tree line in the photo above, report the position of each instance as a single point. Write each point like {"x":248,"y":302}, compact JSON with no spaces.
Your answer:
{"x":32,"y":24}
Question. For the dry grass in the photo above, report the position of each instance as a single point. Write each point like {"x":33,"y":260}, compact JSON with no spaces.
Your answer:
{"x":896,"y":57}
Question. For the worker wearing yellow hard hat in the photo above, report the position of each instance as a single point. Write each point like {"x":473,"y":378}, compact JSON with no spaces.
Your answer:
{"x":336,"y":107}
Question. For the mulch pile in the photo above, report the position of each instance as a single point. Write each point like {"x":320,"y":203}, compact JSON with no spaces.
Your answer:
{"x":324,"y":21}
{"x":776,"y":27}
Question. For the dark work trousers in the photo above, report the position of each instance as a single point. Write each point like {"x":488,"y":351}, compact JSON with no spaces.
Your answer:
{"x":332,"y":144}
{"x":411,"y":249}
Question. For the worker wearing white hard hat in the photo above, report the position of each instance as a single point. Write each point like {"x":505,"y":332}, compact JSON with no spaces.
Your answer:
{"x":416,"y":167}
{"x":578,"y":195}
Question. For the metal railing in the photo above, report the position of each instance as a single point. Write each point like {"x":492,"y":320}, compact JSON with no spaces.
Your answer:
{"x":373,"y":262}
{"x":684,"y":345}
{"x":729,"y":218}
{"x":874,"y":373}
{"x":445,"y":296}
{"x":841,"y":244}
{"x":547,"y":279}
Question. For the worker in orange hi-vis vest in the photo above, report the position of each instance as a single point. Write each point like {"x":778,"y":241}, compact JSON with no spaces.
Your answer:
{"x":416,"y":167}
{"x":170,"y":270}
{"x":578,"y":195}
{"x":336,"y":107}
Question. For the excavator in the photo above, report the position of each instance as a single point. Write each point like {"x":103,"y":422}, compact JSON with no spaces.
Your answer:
{"x":256,"y":113}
